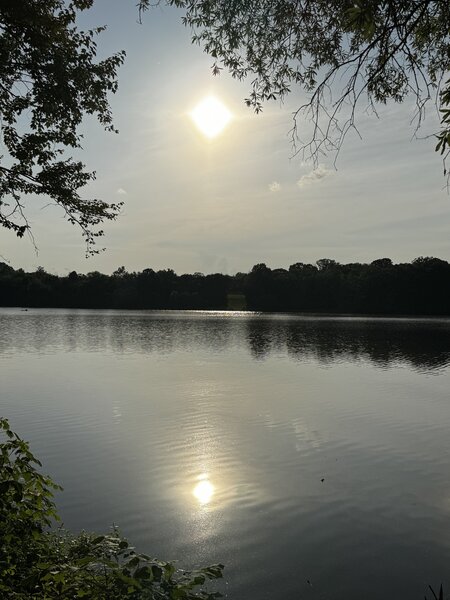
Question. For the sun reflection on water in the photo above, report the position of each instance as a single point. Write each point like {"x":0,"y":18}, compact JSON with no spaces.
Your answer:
{"x":203,"y":491}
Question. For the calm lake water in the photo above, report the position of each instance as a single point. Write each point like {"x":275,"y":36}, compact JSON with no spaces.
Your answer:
{"x":310,"y":455}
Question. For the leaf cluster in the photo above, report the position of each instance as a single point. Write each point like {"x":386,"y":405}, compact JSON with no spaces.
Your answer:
{"x":50,"y":78}
{"x":443,"y":145}
{"x":42,"y":564}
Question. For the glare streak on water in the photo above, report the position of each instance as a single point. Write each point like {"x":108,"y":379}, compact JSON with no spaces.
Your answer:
{"x":291,"y":448}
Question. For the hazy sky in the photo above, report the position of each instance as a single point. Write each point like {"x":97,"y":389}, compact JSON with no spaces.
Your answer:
{"x":194,"y":204}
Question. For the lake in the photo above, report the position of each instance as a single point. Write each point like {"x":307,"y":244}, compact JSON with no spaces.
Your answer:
{"x":310,"y":455}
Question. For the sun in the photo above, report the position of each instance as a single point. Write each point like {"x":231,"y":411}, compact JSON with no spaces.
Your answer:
{"x":211,"y":116}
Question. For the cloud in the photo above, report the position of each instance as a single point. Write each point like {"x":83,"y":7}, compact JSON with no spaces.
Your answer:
{"x":121,"y":192}
{"x":275,"y":186}
{"x":315,"y":175}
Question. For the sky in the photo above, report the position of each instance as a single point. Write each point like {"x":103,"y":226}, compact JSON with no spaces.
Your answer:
{"x":224,"y":204}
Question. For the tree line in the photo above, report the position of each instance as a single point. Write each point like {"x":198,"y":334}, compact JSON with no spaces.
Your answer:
{"x":421,"y":287}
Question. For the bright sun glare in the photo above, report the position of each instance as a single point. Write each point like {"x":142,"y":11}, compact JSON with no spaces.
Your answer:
{"x":211,"y":116}
{"x":204,"y":491}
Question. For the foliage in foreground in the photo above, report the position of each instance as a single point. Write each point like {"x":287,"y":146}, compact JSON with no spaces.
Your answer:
{"x":41,"y":564}
{"x":50,"y":78}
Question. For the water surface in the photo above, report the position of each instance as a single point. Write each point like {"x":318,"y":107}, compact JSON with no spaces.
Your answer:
{"x":310,"y":455}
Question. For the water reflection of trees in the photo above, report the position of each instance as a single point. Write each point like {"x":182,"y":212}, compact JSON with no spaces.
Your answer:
{"x":419,"y":343}
{"x":128,"y":332}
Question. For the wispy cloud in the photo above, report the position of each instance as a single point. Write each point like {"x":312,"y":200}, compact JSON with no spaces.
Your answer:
{"x":121,"y":192}
{"x":275,"y":186}
{"x":315,"y":175}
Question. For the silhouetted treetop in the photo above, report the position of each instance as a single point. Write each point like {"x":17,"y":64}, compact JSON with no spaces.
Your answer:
{"x":382,"y":263}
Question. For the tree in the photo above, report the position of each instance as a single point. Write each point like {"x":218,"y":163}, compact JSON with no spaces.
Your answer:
{"x":341,"y":53}
{"x":326,"y":264}
{"x":49,"y":79}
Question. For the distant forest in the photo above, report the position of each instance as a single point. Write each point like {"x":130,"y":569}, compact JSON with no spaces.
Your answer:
{"x":421,"y":287}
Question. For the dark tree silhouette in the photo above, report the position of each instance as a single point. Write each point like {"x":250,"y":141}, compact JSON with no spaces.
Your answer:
{"x":421,"y":287}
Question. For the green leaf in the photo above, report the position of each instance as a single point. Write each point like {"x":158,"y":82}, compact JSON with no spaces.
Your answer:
{"x":157,"y":572}
{"x":143,"y":572}
{"x":98,"y":539}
